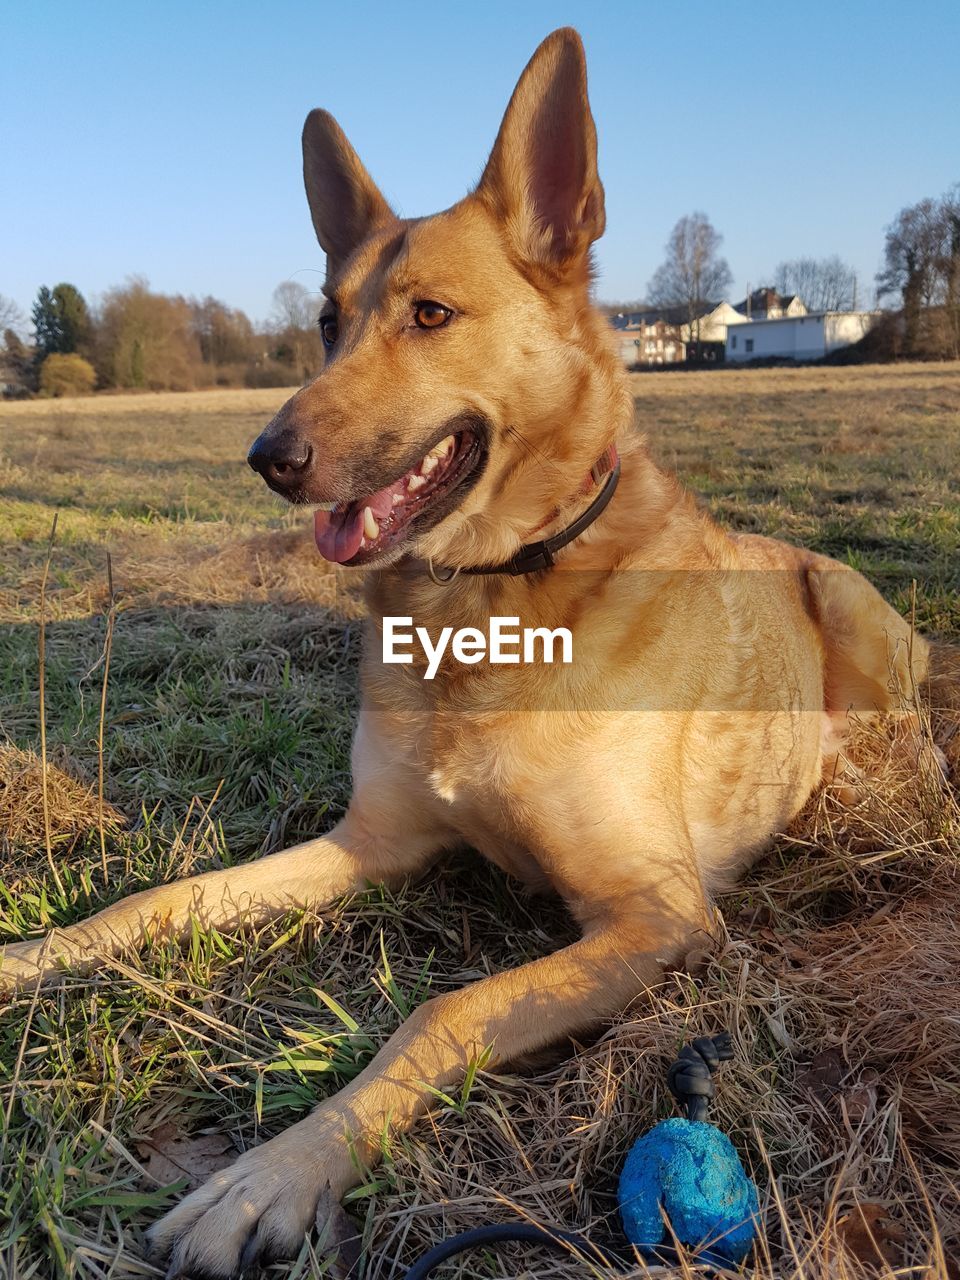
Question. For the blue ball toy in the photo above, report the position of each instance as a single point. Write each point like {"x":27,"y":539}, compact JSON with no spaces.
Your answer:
{"x":686,"y":1169}
{"x":690,"y":1171}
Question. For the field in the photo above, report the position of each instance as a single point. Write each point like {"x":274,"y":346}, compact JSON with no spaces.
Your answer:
{"x":224,"y":732}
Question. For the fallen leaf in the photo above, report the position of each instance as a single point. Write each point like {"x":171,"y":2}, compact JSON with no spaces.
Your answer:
{"x":822,"y":1077}
{"x":871,"y":1236}
{"x":338,"y":1235}
{"x":169,"y":1155}
{"x":778,"y":1029}
{"x":750,"y":918}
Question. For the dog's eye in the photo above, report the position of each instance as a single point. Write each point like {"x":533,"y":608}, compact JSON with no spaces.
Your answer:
{"x":431,"y":315}
{"x":329,"y":330}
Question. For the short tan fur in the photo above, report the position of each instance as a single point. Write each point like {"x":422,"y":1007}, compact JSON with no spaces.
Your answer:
{"x":708,"y":696}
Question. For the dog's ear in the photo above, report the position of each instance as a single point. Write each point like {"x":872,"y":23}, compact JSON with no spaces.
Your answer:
{"x":345,"y":202}
{"x":541,"y":179}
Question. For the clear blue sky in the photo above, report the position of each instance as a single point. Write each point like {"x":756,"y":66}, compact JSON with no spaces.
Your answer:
{"x":163,"y":138}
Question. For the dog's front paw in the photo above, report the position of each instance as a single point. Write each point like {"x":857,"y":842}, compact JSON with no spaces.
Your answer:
{"x":260,"y":1208}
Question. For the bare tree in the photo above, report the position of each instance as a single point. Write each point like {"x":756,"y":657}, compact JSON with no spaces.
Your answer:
{"x":294,"y":323}
{"x":146,"y":339}
{"x":18,"y":365}
{"x":225,"y":334}
{"x":693,"y":274}
{"x":922,"y":266}
{"x":11,"y":317}
{"x":951,"y":214}
{"x":823,"y":284}
{"x":294,"y":306}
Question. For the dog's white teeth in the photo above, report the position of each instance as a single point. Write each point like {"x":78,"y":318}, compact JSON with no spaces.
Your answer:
{"x":398,"y":499}
{"x":415,"y":482}
{"x":434,"y":457}
{"x":370,"y":526}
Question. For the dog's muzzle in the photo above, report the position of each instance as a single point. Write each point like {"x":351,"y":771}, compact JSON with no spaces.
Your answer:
{"x":283,"y":461}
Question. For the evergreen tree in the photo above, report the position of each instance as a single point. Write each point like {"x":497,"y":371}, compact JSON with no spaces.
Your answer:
{"x":61,"y":320}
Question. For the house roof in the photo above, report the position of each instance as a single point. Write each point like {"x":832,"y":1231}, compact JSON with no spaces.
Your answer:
{"x":760,"y":300}
{"x":636,"y":326}
{"x":678,"y":314}
{"x":812,"y":315}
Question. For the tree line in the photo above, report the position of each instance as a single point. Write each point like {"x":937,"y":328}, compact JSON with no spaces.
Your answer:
{"x":919,"y":281}
{"x":137,"y":339}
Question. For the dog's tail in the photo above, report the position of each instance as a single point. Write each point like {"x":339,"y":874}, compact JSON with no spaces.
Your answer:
{"x":942,"y":692}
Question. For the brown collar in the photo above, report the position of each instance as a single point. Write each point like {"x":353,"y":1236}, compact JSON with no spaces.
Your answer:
{"x":535,"y":556}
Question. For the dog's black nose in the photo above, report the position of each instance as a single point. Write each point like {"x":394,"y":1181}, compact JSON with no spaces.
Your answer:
{"x":281,"y":460}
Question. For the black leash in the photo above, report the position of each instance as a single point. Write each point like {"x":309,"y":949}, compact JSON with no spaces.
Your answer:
{"x":707,"y":1263}
{"x":498,"y":1232}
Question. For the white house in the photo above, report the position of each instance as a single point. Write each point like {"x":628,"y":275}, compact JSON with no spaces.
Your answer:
{"x":713,"y":324}
{"x":654,"y":343}
{"x":807,"y":337}
{"x":662,"y":335}
{"x":768,"y":304}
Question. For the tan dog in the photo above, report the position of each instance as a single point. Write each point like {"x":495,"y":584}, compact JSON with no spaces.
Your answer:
{"x":469,"y":391}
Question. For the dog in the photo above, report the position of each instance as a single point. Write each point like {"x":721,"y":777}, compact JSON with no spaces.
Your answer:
{"x":470,"y":443}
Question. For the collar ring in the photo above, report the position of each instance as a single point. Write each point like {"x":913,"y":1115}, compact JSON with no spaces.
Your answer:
{"x":443,"y":575}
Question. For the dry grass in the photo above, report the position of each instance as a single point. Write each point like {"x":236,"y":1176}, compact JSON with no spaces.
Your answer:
{"x":228,"y":722}
{"x":74,"y":810}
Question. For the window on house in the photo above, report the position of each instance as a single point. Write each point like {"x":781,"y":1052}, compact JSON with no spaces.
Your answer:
{"x":733,"y":342}
{"x":749,"y":345}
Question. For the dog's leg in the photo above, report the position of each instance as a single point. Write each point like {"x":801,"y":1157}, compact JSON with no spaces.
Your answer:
{"x":393,"y":828}
{"x":265,"y":1202}
{"x":311,"y":874}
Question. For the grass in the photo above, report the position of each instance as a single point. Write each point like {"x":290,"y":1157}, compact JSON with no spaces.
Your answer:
{"x":226,"y":732}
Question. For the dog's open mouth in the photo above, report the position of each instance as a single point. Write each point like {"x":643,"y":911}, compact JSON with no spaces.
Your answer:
{"x":363,"y":529}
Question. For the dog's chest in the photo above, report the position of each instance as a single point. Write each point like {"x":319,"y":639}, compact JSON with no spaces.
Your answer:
{"x":470,"y":774}
{"x":465,"y":765}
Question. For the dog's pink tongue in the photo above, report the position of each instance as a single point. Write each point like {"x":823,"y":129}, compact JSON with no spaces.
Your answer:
{"x":338,"y":537}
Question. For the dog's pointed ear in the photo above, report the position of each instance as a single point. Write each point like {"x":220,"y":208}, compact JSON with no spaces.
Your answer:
{"x":541,"y":179}
{"x":345,"y":202}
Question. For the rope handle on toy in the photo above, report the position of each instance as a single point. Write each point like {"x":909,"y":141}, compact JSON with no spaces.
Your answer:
{"x":690,"y":1080}
{"x":690,"y":1077}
